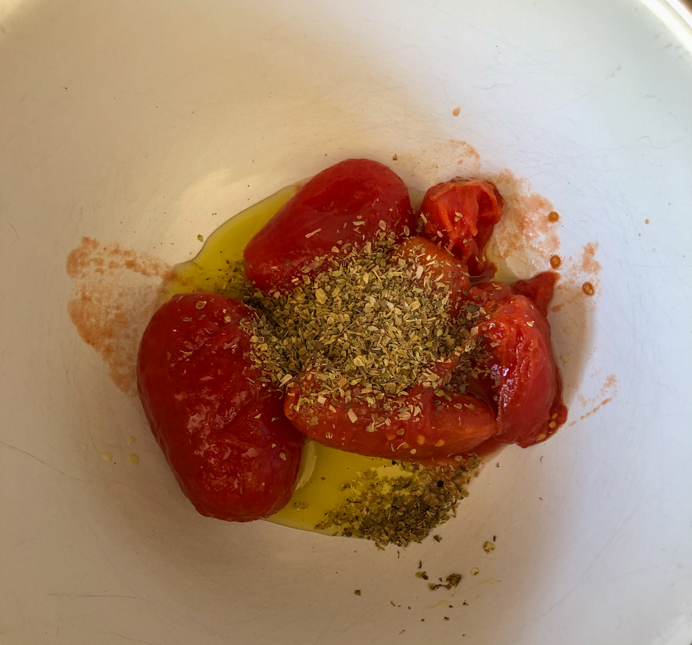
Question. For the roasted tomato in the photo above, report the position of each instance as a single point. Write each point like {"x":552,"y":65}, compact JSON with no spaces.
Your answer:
{"x":223,"y":431}
{"x":516,"y":337}
{"x":461,"y":213}
{"x":421,"y":427}
{"x":435,"y":264}
{"x":538,"y":289}
{"x":418,"y":426}
{"x":339,"y":209}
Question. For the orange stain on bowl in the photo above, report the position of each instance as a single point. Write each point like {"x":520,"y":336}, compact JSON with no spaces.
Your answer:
{"x":525,"y":226}
{"x":588,"y":262}
{"x":593,"y":410}
{"x":456,"y":111}
{"x":579,"y":278}
{"x":114,"y":295}
{"x":610,"y":386}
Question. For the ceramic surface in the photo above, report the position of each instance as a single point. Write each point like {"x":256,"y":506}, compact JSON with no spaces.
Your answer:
{"x":145,"y":123}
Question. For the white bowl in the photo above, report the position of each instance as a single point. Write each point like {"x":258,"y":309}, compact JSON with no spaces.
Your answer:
{"x":146,"y":123}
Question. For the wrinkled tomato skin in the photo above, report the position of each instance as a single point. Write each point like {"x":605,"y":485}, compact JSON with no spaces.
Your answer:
{"x":539,"y":289}
{"x":461,"y":214}
{"x":224,"y":434}
{"x":321,"y":215}
{"x":516,"y":337}
{"x":440,"y":431}
{"x":529,"y":395}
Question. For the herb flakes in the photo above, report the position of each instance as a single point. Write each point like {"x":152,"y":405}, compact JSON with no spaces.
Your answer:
{"x":374,"y":325}
{"x":400,"y":509}
{"x":451,"y":581}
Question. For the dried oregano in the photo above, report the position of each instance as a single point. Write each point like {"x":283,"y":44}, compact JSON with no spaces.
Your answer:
{"x":401,"y":508}
{"x":375,"y":330}
{"x":367,"y":322}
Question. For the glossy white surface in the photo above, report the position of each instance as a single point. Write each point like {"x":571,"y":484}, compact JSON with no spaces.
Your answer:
{"x":134,"y":121}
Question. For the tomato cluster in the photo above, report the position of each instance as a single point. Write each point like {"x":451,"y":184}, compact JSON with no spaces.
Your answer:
{"x":234,"y":440}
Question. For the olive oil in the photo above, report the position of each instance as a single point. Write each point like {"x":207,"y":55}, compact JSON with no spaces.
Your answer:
{"x":325,"y":472}
{"x":208,"y":270}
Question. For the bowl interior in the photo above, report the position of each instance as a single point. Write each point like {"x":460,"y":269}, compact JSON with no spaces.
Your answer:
{"x":141,"y":125}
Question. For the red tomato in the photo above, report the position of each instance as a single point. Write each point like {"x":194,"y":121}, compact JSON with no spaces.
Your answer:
{"x":461,"y":213}
{"x":517,"y":338}
{"x":224,"y":434}
{"x":436,"y":264}
{"x":344,"y":204}
{"x":438,"y":430}
{"x":538,"y":289}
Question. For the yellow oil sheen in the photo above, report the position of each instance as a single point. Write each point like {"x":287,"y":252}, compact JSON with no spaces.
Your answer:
{"x":324,"y":471}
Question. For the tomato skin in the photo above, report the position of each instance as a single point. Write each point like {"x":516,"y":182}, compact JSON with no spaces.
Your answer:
{"x":539,"y":289}
{"x":221,"y":430}
{"x":461,"y":213}
{"x":330,"y":203}
{"x":437,"y":264}
{"x":440,"y":431}
{"x":516,"y":336}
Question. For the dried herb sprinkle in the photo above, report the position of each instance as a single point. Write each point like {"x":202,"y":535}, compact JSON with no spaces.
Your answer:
{"x":377,"y":322}
{"x":401,"y":509}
